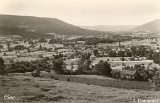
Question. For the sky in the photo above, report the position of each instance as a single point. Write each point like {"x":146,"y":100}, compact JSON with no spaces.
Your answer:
{"x":87,"y":12}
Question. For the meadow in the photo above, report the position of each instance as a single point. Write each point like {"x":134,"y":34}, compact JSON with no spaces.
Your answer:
{"x":99,"y":81}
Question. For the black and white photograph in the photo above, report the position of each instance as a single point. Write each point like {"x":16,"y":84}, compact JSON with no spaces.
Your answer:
{"x":79,"y":51}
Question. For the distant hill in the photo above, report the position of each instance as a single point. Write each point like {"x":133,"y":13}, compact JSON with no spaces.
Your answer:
{"x":150,"y":26}
{"x":110,"y":27}
{"x":40,"y":25}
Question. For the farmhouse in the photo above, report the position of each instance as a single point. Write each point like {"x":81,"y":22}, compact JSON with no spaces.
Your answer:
{"x":130,"y":63}
{"x":128,"y":73}
{"x":154,"y":66}
{"x":72,"y":67}
{"x":74,"y":61}
{"x":87,"y":51}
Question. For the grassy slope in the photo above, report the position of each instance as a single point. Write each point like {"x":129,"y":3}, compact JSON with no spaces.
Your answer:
{"x":26,"y":88}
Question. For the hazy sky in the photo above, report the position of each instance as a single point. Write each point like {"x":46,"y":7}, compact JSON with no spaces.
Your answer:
{"x":87,"y":12}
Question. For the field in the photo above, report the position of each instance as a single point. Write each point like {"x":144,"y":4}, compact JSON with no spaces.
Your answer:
{"x":26,"y":59}
{"x":105,"y":59}
{"x":117,"y":63}
{"x":24,"y":88}
{"x":129,"y":43}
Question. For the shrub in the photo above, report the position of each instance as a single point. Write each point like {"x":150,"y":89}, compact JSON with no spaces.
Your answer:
{"x":25,"y":66}
{"x":103,"y":68}
{"x":1,"y":46}
{"x":19,"y":47}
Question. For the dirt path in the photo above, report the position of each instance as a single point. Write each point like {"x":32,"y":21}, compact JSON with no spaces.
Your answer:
{"x":25,"y":88}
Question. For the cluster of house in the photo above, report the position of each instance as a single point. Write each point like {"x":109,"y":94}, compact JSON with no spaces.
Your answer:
{"x":4,"y":38}
{"x":129,"y":69}
{"x":56,"y":49}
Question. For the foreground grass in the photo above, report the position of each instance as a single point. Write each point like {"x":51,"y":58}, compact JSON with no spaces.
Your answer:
{"x":26,"y":88}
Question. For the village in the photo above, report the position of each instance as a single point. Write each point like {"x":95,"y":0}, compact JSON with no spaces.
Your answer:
{"x":84,"y":55}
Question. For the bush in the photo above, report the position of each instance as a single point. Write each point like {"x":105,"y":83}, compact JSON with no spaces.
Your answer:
{"x":1,"y":66}
{"x":156,"y":57}
{"x":25,"y":66}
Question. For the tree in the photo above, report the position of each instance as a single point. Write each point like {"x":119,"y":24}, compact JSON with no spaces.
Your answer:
{"x":42,"y":40}
{"x":36,"y":73}
{"x":1,"y":66}
{"x":150,"y":57}
{"x":19,"y":47}
{"x":116,"y":74}
{"x":128,"y":53}
{"x":1,"y":46}
{"x":28,"y":50}
{"x":31,"y":42}
{"x":103,"y":68}
{"x":123,"y":59}
{"x":95,"y":52}
{"x":156,"y":58}
{"x":58,"y":65}
{"x":121,"y":53}
{"x":51,"y":41}
{"x":133,"y":50}
{"x":138,"y":77}
{"x":40,"y":47}
{"x":84,"y":64}
{"x":8,"y":45}
{"x":86,"y":56}
{"x":142,"y":51}
{"x":72,"y":66}
{"x":141,"y":74}
{"x":112,"y":53}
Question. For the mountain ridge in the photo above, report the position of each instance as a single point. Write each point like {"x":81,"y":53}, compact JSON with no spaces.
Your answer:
{"x":44,"y":25}
{"x":149,"y":26}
